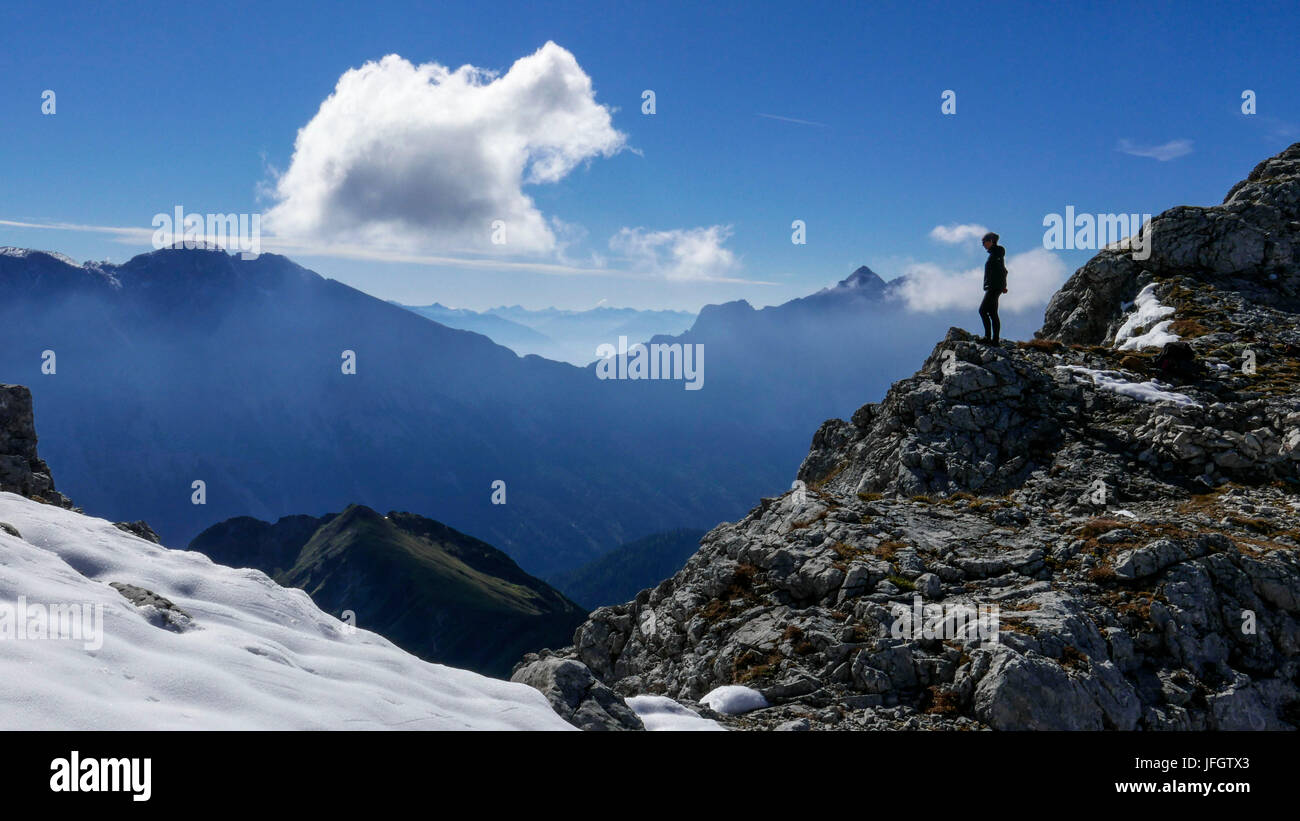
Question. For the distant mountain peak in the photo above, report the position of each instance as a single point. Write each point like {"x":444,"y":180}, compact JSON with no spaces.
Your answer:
{"x":864,"y":277}
{"x":14,"y":251}
{"x":726,"y":310}
{"x":190,"y":245}
{"x":863,"y":284}
{"x":358,"y":513}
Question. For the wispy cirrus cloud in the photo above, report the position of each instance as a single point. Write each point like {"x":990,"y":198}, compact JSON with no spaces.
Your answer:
{"x":693,"y":254}
{"x":124,"y":234}
{"x":1033,"y":277}
{"x":794,"y":120}
{"x":1167,"y":151}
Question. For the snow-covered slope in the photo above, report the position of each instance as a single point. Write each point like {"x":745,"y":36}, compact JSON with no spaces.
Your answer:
{"x":256,"y":655}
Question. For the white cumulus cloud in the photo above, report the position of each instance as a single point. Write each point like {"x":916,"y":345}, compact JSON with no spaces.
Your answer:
{"x":1168,"y":151}
{"x":1032,"y":278}
{"x":681,"y":253}
{"x":421,"y":156}
{"x":955,"y":234}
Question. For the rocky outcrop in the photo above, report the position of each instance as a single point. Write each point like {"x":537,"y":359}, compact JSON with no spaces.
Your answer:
{"x":1056,"y":534}
{"x":974,"y":418}
{"x":140,"y":528}
{"x":1101,"y":623}
{"x":160,"y":611}
{"x":1250,"y":242}
{"x":21,"y":470}
{"x":1052,"y":421}
{"x":575,"y":694}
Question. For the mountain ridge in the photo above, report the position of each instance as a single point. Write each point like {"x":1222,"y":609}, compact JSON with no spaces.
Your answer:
{"x":619,"y":574}
{"x":435,"y":592}
{"x":183,"y":365}
{"x":563,"y":335}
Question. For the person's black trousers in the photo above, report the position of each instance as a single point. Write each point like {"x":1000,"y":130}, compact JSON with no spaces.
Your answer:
{"x":989,"y":314}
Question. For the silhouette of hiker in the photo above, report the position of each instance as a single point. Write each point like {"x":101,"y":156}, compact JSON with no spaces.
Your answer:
{"x":995,"y":285}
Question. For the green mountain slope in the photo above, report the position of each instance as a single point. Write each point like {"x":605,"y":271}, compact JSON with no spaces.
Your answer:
{"x":434,"y":591}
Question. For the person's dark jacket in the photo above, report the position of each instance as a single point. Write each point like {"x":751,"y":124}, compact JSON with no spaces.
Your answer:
{"x":995,"y":270}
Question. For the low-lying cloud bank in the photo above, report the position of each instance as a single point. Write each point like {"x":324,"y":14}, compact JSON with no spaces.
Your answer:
{"x":695,"y":253}
{"x":1032,"y":278}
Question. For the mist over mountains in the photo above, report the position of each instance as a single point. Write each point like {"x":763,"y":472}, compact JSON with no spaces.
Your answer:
{"x":192,"y":365}
{"x":555,"y":333}
{"x":185,"y":365}
{"x":783,"y":368}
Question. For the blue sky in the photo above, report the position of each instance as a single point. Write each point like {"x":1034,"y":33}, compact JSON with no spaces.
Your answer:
{"x":161,"y":104}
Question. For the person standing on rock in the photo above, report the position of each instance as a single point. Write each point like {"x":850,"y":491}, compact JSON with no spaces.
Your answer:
{"x":995,"y":285}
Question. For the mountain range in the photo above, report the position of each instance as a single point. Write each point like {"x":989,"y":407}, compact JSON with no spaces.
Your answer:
{"x":621,"y":573}
{"x":182,"y":366}
{"x":553,"y":333}
{"x":780,"y":370}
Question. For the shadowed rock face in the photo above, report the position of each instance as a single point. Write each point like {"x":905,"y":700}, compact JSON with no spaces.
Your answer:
{"x":21,"y":470}
{"x":1134,"y":533}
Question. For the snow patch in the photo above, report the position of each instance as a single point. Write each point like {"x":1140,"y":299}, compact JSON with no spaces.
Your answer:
{"x":1149,"y":311}
{"x":23,"y":253}
{"x":662,"y":713}
{"x":734,"y":699}
{"x":260,"y":656}
{"x":1150,"y":391}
